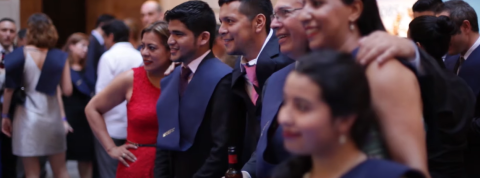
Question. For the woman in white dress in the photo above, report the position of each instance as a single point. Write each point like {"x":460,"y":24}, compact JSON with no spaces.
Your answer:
{"x":44,"y":74}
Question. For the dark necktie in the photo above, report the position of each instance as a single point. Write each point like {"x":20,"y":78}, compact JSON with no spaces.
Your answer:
{"x":459,"y":65}
{"x":184,"y":79}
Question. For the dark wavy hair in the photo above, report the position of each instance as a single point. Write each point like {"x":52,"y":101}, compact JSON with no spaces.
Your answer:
{"x":370,"y":20}
{"x":344,"y":87}
{"x":41,"y":32}
{"x":434,"y":34}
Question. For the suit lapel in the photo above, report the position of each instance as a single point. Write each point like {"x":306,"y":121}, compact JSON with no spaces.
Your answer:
{"x":168,"y":112}
{"x":272,"y":100}
{"x":265,"y":62}
{"x":179,"y":119}
{"x":470,"y":71}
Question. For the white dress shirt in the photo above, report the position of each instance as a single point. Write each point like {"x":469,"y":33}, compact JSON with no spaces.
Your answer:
{"x":248,"y":84}
{"x":193,"y":66}
{"x":119,"y":58}
{"x":98,"y":36}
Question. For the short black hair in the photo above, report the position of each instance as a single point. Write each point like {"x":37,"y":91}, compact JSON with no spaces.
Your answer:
{"x":434,"y":34}
{"x":197,"y":16}
{"x":22,"y":33}
{"x":427,"y":5}
{"x":103,"y":19}
{"x":459,"y":12}
{"x":251,"y":8}
{"x":7,"y":20}
{"x":119,"y":30}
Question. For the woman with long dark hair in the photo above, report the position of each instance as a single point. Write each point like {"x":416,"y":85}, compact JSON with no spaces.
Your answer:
{"x":326,"y":117}
{"x":42,"y":74}
{"x":340,"y":25}
{"x":80,"y":141}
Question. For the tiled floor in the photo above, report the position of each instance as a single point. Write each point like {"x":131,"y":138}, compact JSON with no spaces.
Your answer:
{"x":72,"y":170}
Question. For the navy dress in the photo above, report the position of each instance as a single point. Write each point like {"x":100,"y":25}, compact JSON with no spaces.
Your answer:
{"x":80,"y":142}
{"x":299,"y":167}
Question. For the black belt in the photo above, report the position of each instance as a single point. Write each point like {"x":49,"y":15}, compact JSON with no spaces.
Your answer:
{"x":141,"y":145}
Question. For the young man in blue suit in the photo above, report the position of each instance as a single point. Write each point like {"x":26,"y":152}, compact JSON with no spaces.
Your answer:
{"x":194,"y":108}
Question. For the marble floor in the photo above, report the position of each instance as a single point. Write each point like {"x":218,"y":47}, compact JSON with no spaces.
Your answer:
{"x":72,"y":170}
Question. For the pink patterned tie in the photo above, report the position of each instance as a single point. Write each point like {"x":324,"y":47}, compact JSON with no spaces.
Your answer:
{"x":252,"y":77}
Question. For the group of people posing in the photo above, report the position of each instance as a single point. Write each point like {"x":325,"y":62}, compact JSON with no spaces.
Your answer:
{"x":319,"y":90}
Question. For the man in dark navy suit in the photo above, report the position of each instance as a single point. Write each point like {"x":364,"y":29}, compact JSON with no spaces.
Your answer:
{"x":245,"y":29}
{"x":466,"y":42}
{"x":96,"y":48}
{"x":195,"y":106}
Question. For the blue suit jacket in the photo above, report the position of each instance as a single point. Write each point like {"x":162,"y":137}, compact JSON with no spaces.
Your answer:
{"x":194,"y":129}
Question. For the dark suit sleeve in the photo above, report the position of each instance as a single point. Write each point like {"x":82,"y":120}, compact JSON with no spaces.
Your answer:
{"x":95,"y":51}
{"x":162,"y":164}
{"x":251,"y":166}
{"x":221,"y":109}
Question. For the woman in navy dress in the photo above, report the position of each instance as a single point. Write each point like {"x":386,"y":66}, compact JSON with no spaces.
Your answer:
{"x":326,"y":117}
{"x":340,"y":25}
{"x":80,"y":141}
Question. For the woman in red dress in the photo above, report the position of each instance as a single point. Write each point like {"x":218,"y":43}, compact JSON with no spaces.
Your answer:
{"x":141,"y":88}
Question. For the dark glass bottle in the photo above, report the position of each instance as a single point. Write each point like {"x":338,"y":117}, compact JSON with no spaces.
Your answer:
{"x":232,"y":171}
{"x":2,"y":60}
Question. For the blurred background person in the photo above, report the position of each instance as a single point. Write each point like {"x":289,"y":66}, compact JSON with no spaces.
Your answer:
{"x":326,"y":117}
{"x":38,"y":128}
{"x":21,"y":40}
{"x":151,"y":11}
{"x":466,"y":42}
{"x":220,"y":51}
{"x":120,"y":57}
{"x":426,"y":7}
{"x":433,"y":34}
{"x":80,"y":142}
{"x":140,"y":87}
{"x":134,"y":38}
{"x":8,"y":32}
{"x":96,"y":47}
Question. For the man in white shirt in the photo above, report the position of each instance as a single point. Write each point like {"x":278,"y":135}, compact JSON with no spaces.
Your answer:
{"x":120,"y":57}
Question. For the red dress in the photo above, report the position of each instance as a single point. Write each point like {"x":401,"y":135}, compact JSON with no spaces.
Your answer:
{"x":142,"y":126}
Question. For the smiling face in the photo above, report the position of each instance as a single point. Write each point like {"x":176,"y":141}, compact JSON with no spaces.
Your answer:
{"x":288,"y":28}
{"x":155,"y":54}
{"x":326,"y":22}
{"x":182,"y":42}
{"x":306,"y":120}
{"x":79,"y":49}
{"x":236,"y":29}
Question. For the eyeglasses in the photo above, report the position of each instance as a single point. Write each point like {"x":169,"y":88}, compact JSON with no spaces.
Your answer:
{"x":282,"y":14}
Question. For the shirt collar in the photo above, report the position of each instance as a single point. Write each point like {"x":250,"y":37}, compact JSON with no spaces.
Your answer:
{"x":254,"y":61}
{"x":470,"y":51}
{"x":10,"y":49}
{"x":98,"y":36}
{"x":193,"y":66}
{"x":122,"y":45}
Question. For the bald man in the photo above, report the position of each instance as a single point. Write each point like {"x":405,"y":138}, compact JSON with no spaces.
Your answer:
{"x":151,"y":12}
